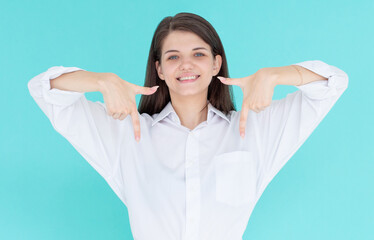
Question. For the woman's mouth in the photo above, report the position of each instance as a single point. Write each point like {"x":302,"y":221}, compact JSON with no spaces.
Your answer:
{"x":188,"y":79}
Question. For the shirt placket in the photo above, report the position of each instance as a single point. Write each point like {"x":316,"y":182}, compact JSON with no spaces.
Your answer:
{"x":192,"y":186}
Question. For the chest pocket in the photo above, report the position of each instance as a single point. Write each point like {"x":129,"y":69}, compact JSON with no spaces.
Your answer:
{"x":235,"y":178}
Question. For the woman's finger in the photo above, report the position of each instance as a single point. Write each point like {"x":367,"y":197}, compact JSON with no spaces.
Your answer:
{"x":232,"y":81}
{"x":243,"y":120}
{"x":136,"y":124}
{"x":116,"y":115}
{"x":122,"y":116}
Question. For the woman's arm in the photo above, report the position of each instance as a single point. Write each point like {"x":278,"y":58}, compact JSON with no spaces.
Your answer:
{"x":284,"y":126}
{"x":85,"y":124}
{"x":288,"y":75}
{"x":81,"y":81}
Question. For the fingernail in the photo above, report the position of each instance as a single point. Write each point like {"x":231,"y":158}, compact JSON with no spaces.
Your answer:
{"x":242,"y":134}
{"x":221,"y":78}
{"x":155,"y":87}
{"x":137,"y":138}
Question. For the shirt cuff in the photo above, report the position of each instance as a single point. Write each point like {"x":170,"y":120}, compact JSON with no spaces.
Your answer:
{"x":335,"y":85}
{"x":57,"y":96}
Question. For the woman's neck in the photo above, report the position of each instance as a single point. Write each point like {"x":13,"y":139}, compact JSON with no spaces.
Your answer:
{"x":191,"y":111}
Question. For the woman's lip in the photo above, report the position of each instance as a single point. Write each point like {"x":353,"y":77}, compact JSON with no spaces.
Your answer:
{"x":190,"y":80}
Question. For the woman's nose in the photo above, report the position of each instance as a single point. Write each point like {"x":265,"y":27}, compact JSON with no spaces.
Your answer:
{"x":186,"y":64}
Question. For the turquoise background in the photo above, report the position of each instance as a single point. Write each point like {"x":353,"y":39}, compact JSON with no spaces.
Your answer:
{"x":48,"y":191}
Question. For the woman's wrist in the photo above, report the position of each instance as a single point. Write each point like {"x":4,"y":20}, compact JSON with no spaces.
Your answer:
{"x":104,"y":79}
{"x":270,"y":74}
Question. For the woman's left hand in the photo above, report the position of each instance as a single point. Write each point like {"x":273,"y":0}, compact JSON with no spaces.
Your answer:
{"x":257,"y":90}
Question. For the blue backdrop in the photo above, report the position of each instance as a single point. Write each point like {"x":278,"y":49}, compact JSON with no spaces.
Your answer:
{"x":48,"y":191}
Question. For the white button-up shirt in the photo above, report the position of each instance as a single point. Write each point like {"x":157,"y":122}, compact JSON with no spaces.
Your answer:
{"x":177,"y":183}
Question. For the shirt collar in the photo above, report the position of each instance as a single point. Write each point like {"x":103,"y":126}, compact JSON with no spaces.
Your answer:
{"x":169,"y":111}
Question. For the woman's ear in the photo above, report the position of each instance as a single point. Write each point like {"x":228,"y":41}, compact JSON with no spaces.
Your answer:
{"x":217,"y":64}
{"x":159,"y":71}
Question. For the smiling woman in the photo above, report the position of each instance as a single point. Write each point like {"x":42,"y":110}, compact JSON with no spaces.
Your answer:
{"x":187,"y":72}
{"x":187,"y":45}
{"x":191,"y":176}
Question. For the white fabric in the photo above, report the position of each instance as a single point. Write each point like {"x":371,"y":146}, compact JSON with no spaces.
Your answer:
{"x":189,"y":184}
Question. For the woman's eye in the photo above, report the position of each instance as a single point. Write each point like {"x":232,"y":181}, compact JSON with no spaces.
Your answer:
{"x":171,"y":57}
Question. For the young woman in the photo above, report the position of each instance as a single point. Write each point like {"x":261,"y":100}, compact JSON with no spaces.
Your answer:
{"x":190,"y":175}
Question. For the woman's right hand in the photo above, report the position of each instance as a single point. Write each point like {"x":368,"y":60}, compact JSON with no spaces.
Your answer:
{"x":119,"y":98}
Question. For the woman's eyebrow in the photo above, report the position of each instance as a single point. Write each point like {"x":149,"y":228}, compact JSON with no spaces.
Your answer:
{"x":192,"y":50}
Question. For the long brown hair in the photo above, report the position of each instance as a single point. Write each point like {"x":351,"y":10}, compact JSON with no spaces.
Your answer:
{"x":219,"y":94}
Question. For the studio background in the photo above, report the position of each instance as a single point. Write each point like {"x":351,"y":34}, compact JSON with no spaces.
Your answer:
{"x":48,"y":191}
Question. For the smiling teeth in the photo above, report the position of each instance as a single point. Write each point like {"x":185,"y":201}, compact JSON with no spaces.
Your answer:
{"x":187,"y":78}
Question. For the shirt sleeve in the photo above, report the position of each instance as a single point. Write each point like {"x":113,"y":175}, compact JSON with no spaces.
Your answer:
{"x":286,"y":124}
{"x":85,"y":124}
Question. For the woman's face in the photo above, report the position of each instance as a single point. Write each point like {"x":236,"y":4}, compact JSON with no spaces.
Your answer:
{"x":186,"y":54}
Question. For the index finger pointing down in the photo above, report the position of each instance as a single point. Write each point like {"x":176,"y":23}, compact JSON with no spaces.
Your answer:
{"x":136,"y":125}
{"x":243,"y":121}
